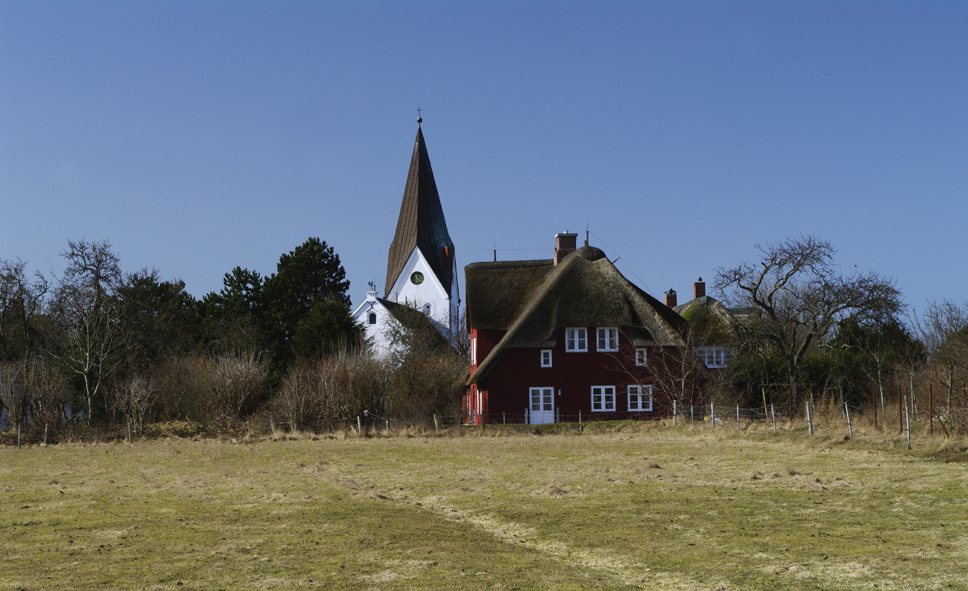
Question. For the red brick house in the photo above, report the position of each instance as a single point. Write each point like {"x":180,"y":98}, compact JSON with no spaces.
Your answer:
{"x":552,"y":340}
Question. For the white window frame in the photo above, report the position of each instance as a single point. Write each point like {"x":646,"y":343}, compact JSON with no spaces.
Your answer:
{"x":641,"y":357}
{"x":576,"y":340}
{"x":546,"y":358}
{"x":607,"y":339}
{"x":606,"y":401}
{"x":714,"y":357}
{"x":474,"y":351}
{"x":640,"y":394}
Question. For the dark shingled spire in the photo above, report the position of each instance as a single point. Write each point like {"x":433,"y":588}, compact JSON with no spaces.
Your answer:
{"x":421,"y":223}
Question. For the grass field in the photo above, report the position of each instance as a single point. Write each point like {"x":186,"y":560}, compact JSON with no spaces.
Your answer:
{"x":641,"y":508}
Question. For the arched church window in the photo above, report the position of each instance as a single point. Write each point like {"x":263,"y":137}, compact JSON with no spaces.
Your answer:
{"x":372,"y":318}
{"x":428,"y":309}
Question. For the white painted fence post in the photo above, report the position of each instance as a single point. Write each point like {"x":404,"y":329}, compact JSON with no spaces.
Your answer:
{"x":773,"y":415}
{"x":907,"y":422}
{"x":673,"y":413}
{"x":712,"y":412}
{"x":809,"y":419}
{"x":850,"y":429}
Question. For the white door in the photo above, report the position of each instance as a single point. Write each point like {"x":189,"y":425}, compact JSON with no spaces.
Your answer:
{"x":542,"y":405}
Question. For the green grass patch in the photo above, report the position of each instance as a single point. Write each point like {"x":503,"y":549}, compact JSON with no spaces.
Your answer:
{"x":620,"y":508}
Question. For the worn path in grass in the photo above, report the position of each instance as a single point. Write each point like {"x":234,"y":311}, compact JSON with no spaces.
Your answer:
{"x":659,"y":509}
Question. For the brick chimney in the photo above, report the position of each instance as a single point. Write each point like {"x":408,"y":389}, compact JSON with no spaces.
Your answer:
{"x":671,"y":298}
{"x":699,"y":288}
{"x":565,"y":244}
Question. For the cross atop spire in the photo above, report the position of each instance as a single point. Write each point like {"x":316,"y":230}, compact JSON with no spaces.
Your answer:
{"x":419,"y":118}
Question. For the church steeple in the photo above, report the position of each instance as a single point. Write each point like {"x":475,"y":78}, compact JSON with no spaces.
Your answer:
{"x":421,"y":223}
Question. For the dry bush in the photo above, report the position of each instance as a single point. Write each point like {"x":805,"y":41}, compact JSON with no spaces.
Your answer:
{"x":323,"y":394}
{"x":183,"y":386}
{"x":214,"y":391}
{"x":424,"y":385}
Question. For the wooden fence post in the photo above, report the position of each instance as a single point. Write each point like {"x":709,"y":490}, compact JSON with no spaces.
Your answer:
{"x":359,"y":428}
{"x":931,"y":410}
{"x":773,"y":415}
{"x":436,"y":427}
{"x":673,"y":413}
{"x":579,"y":421}
{"x":712,"y":412}
{"x":737,"y":417}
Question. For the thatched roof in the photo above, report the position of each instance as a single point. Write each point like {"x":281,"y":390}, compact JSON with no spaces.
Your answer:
{"x":533,"y":300}
{"x":421,"y":223}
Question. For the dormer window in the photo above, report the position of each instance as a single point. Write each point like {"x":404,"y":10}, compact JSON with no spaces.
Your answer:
{"x":576,"y":340}
{"x":371,"y":318}
{"x":608,"y":339}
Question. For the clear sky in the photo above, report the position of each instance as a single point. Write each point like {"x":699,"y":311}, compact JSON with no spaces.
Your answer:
{"x":201,"y":135}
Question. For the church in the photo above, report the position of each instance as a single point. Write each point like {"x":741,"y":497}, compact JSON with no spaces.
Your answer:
{"x":421,"y":264}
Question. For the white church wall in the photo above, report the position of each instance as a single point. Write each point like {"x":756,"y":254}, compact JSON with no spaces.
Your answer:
{"x":428,"y":292}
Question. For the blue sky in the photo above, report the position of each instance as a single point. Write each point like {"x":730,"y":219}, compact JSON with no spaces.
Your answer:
{"x":200,"y":135}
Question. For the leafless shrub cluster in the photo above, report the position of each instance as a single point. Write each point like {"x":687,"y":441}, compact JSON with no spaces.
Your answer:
{"x":321,"y":394}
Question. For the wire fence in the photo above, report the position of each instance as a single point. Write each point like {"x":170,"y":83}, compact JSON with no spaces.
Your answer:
{"x":830,"y":418}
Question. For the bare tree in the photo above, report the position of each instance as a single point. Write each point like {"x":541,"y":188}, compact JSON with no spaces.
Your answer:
{"x":20,"y":301}
{"x":91,"y":343}
{"x":801,"y":296}
{"x":13,"y":393}
{"x":48,"y":391}
{"x":943,"y":329}
{"x":133,"y":396}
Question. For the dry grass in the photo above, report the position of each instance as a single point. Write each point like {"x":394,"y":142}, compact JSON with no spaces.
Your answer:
{"x":620,"y":507}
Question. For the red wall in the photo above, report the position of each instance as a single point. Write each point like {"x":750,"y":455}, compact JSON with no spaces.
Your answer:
{"x":506,"y":389}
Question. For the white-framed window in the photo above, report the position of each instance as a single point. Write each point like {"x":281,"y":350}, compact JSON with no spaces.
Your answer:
{"x":714,"y":356}
{"x":428,"y":309}
{"x":546,"y":358}
{"x":542,"y":399}
{"x":603,"y":398}
{"x":371,"y":318}
{"x":576,"y":340}
{"x":474,"y":351}
{"x":640,"y":398}
{"x":641,"y":358}
{"x":608,"y":339}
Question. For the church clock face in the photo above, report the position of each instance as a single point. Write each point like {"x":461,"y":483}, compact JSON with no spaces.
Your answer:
{"x":417,"y":278}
